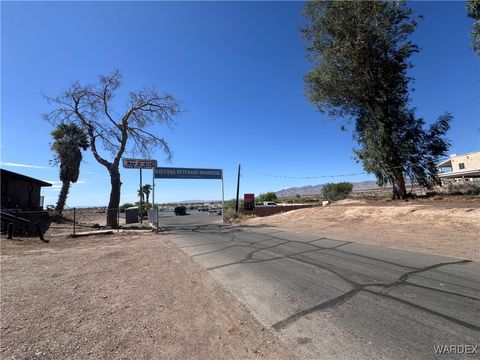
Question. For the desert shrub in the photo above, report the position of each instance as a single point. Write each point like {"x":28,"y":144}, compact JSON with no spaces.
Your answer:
{"x":336,"y":191}
{"x":473,"y":191}
{"x":229,"y":204}
{"x":467,"y":188}
{"x":268,"y":196}
{"x":126,"y":205}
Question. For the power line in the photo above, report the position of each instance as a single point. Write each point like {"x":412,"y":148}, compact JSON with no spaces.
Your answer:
{"x":310,"y":177}
{"x":303,"y":177}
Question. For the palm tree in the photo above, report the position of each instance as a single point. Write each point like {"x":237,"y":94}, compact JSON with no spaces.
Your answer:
{"x":141,"y":194}
{"x":69,"y":141}
{"x":146,"y":190}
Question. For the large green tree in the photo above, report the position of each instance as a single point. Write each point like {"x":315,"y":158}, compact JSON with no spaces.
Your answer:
{"x":268,"y":196}
{"x":112,"y":133}
{"x":69,"y":141}
{"x":336,"y":191}
{"x":360,"y":51}
{"x":473,"y":9}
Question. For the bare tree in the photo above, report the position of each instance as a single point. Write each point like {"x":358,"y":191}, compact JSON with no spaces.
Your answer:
{"x":111,"y":135}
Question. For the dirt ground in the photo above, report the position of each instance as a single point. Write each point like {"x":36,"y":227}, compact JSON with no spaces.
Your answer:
{"x":447,"y":227}
{"x":134,"y":295}
{"x":122,"y":296}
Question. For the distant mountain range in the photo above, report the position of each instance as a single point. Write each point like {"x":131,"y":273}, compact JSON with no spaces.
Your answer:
{"x":317,"y":189}
{"x":191,"y":201}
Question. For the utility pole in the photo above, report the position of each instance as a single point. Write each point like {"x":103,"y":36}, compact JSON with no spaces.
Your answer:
{"x":238,"y":190}
{"x":141,"y":195}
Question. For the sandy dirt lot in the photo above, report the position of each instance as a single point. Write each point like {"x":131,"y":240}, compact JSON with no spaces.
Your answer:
{"x":122,"y":296}
{"x":134,"y":295}
{"x":444,"y":228}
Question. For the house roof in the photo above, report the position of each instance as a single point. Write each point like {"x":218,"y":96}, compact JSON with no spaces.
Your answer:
{"x":4,"y":172}
{"x":445,"y":163}
{"x":464,"y":154}
{"x":448,"y":162}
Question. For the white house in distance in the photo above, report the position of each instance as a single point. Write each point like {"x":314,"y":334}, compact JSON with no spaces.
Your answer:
{"x":460,"y":168}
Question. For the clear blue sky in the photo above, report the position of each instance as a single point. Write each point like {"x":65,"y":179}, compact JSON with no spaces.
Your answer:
{"x":236,"y":66}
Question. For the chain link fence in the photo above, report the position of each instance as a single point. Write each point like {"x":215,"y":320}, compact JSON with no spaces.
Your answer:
{"x":94,"y":219}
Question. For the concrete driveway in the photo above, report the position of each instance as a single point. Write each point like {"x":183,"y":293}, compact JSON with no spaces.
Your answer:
{"x":335,"y":299}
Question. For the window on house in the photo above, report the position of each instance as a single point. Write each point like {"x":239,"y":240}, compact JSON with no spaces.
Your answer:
{"x":461,"y":166}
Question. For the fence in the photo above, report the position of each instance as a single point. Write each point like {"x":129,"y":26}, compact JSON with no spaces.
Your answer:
{"x":262,"y":211}
{"x":381,"y":192}
{"x":23,"y":223}
{"x":94,"y":219}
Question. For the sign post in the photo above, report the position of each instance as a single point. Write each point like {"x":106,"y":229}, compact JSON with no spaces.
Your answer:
{"x":141,"y":198}
{"x":248,"y":201}
{"x":153,"y":199}
{"x":223,"y":205}
{"x":141,"y":164}
{"x":191,"y":173}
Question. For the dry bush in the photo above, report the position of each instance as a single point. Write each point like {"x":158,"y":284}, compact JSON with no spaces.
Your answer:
{"x":467,"y":188}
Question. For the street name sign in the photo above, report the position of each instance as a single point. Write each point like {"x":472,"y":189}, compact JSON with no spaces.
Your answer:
{"x":139,"y":163}
{"x":187,"y":173}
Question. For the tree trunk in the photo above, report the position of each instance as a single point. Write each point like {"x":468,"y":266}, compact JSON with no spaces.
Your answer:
{"x":62,"y":197}
{"x":399,"y":189}
{"x":114,"y":203}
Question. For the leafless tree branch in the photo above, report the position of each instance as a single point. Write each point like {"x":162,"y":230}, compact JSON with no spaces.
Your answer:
{"x":136,"y":130}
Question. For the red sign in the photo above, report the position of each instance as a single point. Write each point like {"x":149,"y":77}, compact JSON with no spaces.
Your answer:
{"x":249,"y":198}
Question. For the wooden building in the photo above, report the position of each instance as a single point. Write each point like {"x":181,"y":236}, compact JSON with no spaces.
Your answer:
{"x":21,"y":191}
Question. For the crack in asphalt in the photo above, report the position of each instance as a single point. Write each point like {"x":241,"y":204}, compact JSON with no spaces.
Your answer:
{"x":318,"y":247}
{"x":335,"y":248}
{"x":221,"y":229}
{"x":250,"y":244}
{"x":402,"y":280}
{"x":249,"y":260}
{"x":322,"y":306}
{"x":443,"y":291}
{"x":290,"y":256}
{"x":356,"y":287}
{"x":430,"y":311}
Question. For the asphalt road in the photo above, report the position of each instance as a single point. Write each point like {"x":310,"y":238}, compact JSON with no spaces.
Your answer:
{"x":335,"y":299}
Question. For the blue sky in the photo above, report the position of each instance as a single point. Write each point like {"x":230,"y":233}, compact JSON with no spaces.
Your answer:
{"x":237,"y":67}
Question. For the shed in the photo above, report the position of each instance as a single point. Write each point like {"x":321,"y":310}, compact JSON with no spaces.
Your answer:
{"x":21,"y":191}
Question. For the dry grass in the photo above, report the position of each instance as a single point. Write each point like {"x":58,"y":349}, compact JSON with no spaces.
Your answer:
{"x":450,"y":229}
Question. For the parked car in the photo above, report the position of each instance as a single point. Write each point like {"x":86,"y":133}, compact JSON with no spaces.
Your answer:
{"x":215,"y":211}
{"x":269,"y":203}
{"x":203,"y":208}
{"x":180,"y":210}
